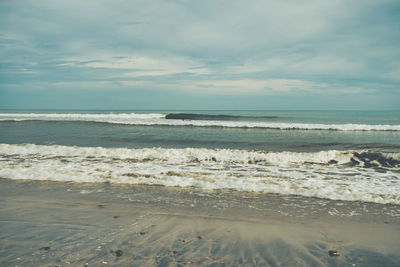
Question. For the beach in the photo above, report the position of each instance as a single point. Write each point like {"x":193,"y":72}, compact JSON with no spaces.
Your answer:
{"x":199,"y":133}
{"x":203,"y":188}
{"x":47,"y":223}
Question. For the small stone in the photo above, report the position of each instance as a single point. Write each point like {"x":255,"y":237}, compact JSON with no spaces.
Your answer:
{"x":100,"y":206}
{"x":175,"y":252}
{"x":119,"y":253}
{"x":45,"y":248}
{"x":115,"y":216}
{"x":334,"y":253}
{"x":200,"y":237}
{"x":142,"y":233}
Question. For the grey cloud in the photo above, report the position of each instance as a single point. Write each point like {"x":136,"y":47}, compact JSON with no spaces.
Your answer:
{"x":339,"y":43}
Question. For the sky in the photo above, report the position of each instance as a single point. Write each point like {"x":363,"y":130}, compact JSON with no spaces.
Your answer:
{"x":176,"y":54}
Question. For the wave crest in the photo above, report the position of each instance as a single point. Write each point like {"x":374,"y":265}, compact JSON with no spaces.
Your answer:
{"x":193,"y":120}
{"x":344,"y":175}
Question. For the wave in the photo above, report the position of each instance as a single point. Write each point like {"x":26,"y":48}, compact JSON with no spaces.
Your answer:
{"x":191,"y":116}
{"x":341,"y":175}
{"x":363,"y":158}
{"x":80,"y":116}
{"x":157,"y":119}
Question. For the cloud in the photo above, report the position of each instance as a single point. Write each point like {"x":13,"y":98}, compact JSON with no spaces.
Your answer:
{"x":140,"y":65}
{"x":209,"y":47}
{"x":224,"y":87}
{"x":257,"y":87}
{"x":298,"y":64}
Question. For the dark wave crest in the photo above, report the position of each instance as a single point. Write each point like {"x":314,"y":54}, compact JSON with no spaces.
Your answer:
{"x":374,"y":159}
{"x":191,"y":116}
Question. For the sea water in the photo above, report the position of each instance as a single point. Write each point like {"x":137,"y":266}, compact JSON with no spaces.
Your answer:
{"x":341,"y":155}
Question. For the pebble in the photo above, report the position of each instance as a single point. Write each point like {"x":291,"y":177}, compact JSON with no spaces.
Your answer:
{"x":116,"y":216}
{"x":142,"y":233}
{"x":119,"y":253}
{"x":334,"y":253}
{"x":200,"y":237}
{"x":45,"y":248}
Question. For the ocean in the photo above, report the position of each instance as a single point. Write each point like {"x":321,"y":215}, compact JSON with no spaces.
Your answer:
{"x":337,"y":155}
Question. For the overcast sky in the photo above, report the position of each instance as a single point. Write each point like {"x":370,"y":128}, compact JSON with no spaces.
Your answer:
{"x":166,"y":54}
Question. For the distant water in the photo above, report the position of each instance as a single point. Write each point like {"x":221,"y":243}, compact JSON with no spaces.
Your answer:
{"x":345,"y":155}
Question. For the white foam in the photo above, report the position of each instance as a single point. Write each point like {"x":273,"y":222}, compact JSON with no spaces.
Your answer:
{"x":307,"y":174}
{"x":159,"y":119}
{"x":81,"y":116}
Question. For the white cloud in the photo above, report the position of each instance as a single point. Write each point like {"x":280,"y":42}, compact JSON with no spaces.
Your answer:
{"x":297,"y":64}
{"x":253,"y":86}
{"x":236,"y":87}
{"x":140,"y":65}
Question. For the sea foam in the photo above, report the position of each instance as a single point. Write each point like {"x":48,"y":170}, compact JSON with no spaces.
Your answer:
{"x":343,"y":175}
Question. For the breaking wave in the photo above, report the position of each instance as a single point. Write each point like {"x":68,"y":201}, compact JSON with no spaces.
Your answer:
{"x":192,"y":120}
{"x":344,"y":175}
{"x":191,"y":116}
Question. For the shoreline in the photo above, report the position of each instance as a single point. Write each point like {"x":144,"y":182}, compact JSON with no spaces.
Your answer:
{"x":160,"y":226}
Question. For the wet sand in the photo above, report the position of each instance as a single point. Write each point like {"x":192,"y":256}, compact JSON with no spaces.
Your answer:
{"x":69,"y":224}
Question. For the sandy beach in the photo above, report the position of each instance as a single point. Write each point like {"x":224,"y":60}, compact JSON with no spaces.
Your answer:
{"x":69,"y":224}
{"x":199,"y":133}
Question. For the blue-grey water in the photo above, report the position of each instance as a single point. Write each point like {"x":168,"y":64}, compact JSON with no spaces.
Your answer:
{"x":332,"y":154}
{"x":91,"y":133}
